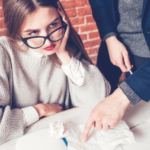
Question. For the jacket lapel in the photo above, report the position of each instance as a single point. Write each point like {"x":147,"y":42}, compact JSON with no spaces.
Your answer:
{"x":144,"y":6}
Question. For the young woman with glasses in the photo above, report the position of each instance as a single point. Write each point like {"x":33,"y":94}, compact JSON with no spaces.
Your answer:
{"x":43,"y":66}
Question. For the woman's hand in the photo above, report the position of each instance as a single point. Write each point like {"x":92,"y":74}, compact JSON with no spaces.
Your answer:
{"x":118,"y":54}
{"x":107,"y":113}
{"x":45,"y":110}
{"x":61,"y":52}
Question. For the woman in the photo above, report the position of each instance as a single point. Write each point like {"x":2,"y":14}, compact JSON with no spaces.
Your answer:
{"x":43,"y":64}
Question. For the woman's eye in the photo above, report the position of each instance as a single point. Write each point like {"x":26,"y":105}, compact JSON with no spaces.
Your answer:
{"x":52,"y":25}
{"x":33,"y":33}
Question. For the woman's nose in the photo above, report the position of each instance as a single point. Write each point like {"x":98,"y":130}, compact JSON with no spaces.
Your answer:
{"x":47,"y":42}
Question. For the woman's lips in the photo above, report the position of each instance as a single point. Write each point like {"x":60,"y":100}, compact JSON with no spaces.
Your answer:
{"x":49,"y":48}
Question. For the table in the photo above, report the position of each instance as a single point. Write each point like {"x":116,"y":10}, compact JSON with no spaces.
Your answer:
{"x":135,"y":117}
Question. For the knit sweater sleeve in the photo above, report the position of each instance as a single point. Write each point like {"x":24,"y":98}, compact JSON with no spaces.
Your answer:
{"x":94,"y":88}
{"x":11,"y":120}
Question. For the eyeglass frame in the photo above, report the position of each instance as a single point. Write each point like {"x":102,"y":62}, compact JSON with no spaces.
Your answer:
{"x":45,"y":37}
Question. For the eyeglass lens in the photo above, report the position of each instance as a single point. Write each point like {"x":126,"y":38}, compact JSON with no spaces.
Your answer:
{"x":38,"y":41}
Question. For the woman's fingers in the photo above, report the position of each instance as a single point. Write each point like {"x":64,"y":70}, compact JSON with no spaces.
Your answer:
{"x":62,"y":13}
{"x":60,"y":8}
{"x":52,"y":109}
{"x":64,"y":18}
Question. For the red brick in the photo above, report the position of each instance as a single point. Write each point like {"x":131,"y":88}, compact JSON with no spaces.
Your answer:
{"x":87,"y":2}
{"x":68,"y":4}
{"x":80,"y":2}
{"x":2,"y":32}
{"x":92,"y":43}
{"x":93,"y":58}
{"x":94,"y":35}
{"x":2,"y":25}
{"x":83,"y":36}
{"x":92,"y":51}
{"x":1,"y":13}
{"x":77,"y":21}
{"x":71,"y":13}
{"x":88,"y":27}
{"x":84,"y":11}
{"x":0,"y":2}
{"x":90,"y":19}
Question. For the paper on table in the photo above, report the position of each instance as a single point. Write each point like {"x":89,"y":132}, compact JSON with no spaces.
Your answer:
{"x":40,"y":140}
{"x":57,"y":130}
{"x":99,"y":140}
{"x":148,"y":120}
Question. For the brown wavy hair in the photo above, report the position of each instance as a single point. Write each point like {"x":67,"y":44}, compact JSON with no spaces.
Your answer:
{"x":15,"y":12}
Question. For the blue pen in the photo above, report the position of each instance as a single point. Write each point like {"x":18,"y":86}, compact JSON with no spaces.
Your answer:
{"x":65,"y":141}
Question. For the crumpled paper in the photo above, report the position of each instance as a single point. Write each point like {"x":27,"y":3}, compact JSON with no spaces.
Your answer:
{"x":57,"y":130}
{"x":97,"y":140}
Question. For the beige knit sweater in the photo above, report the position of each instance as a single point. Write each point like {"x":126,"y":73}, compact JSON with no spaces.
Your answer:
{"x":26,"y":80}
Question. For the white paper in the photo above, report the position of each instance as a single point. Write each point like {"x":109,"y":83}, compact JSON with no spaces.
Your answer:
{"x":99,"y":140}
{"x":57,"y":130}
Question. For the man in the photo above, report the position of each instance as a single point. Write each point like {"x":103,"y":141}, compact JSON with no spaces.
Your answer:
{"x":124,"y":27}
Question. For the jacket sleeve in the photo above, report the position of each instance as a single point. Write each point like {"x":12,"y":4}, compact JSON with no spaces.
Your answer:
{"x":94,"y":88}
{"x":11,"y":120}
{"x":103,"y":17}
{"x":139,"y":82}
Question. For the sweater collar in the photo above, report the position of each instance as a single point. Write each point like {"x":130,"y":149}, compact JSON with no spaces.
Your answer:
{"x":36,"y":54}
{"x":32,"y":52}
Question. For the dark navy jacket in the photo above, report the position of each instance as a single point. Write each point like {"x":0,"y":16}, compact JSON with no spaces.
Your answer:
{"x":105,"y":13}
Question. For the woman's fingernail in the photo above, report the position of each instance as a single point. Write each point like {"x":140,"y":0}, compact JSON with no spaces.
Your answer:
{"x":65,"y":18}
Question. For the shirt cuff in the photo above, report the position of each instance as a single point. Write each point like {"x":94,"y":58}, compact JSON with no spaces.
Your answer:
{"x":109,"y":35}
{"x":75,"y":71}
{"x":30,"y":116}
{"x":131,"y":95}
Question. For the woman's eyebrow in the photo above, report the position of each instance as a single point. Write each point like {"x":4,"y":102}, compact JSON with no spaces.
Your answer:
{"x":30,"y":30}
{"x":54,"y":20}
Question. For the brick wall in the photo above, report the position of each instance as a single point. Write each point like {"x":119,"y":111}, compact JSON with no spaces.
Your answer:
{"x":2,"y":26}
{"x":80,"y":14}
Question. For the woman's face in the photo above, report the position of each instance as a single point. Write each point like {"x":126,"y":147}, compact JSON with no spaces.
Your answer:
{"x":42,"y":22}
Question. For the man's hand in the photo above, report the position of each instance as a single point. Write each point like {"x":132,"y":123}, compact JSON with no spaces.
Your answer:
{"x":107,"y":113}
{"x":118,"y":54}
